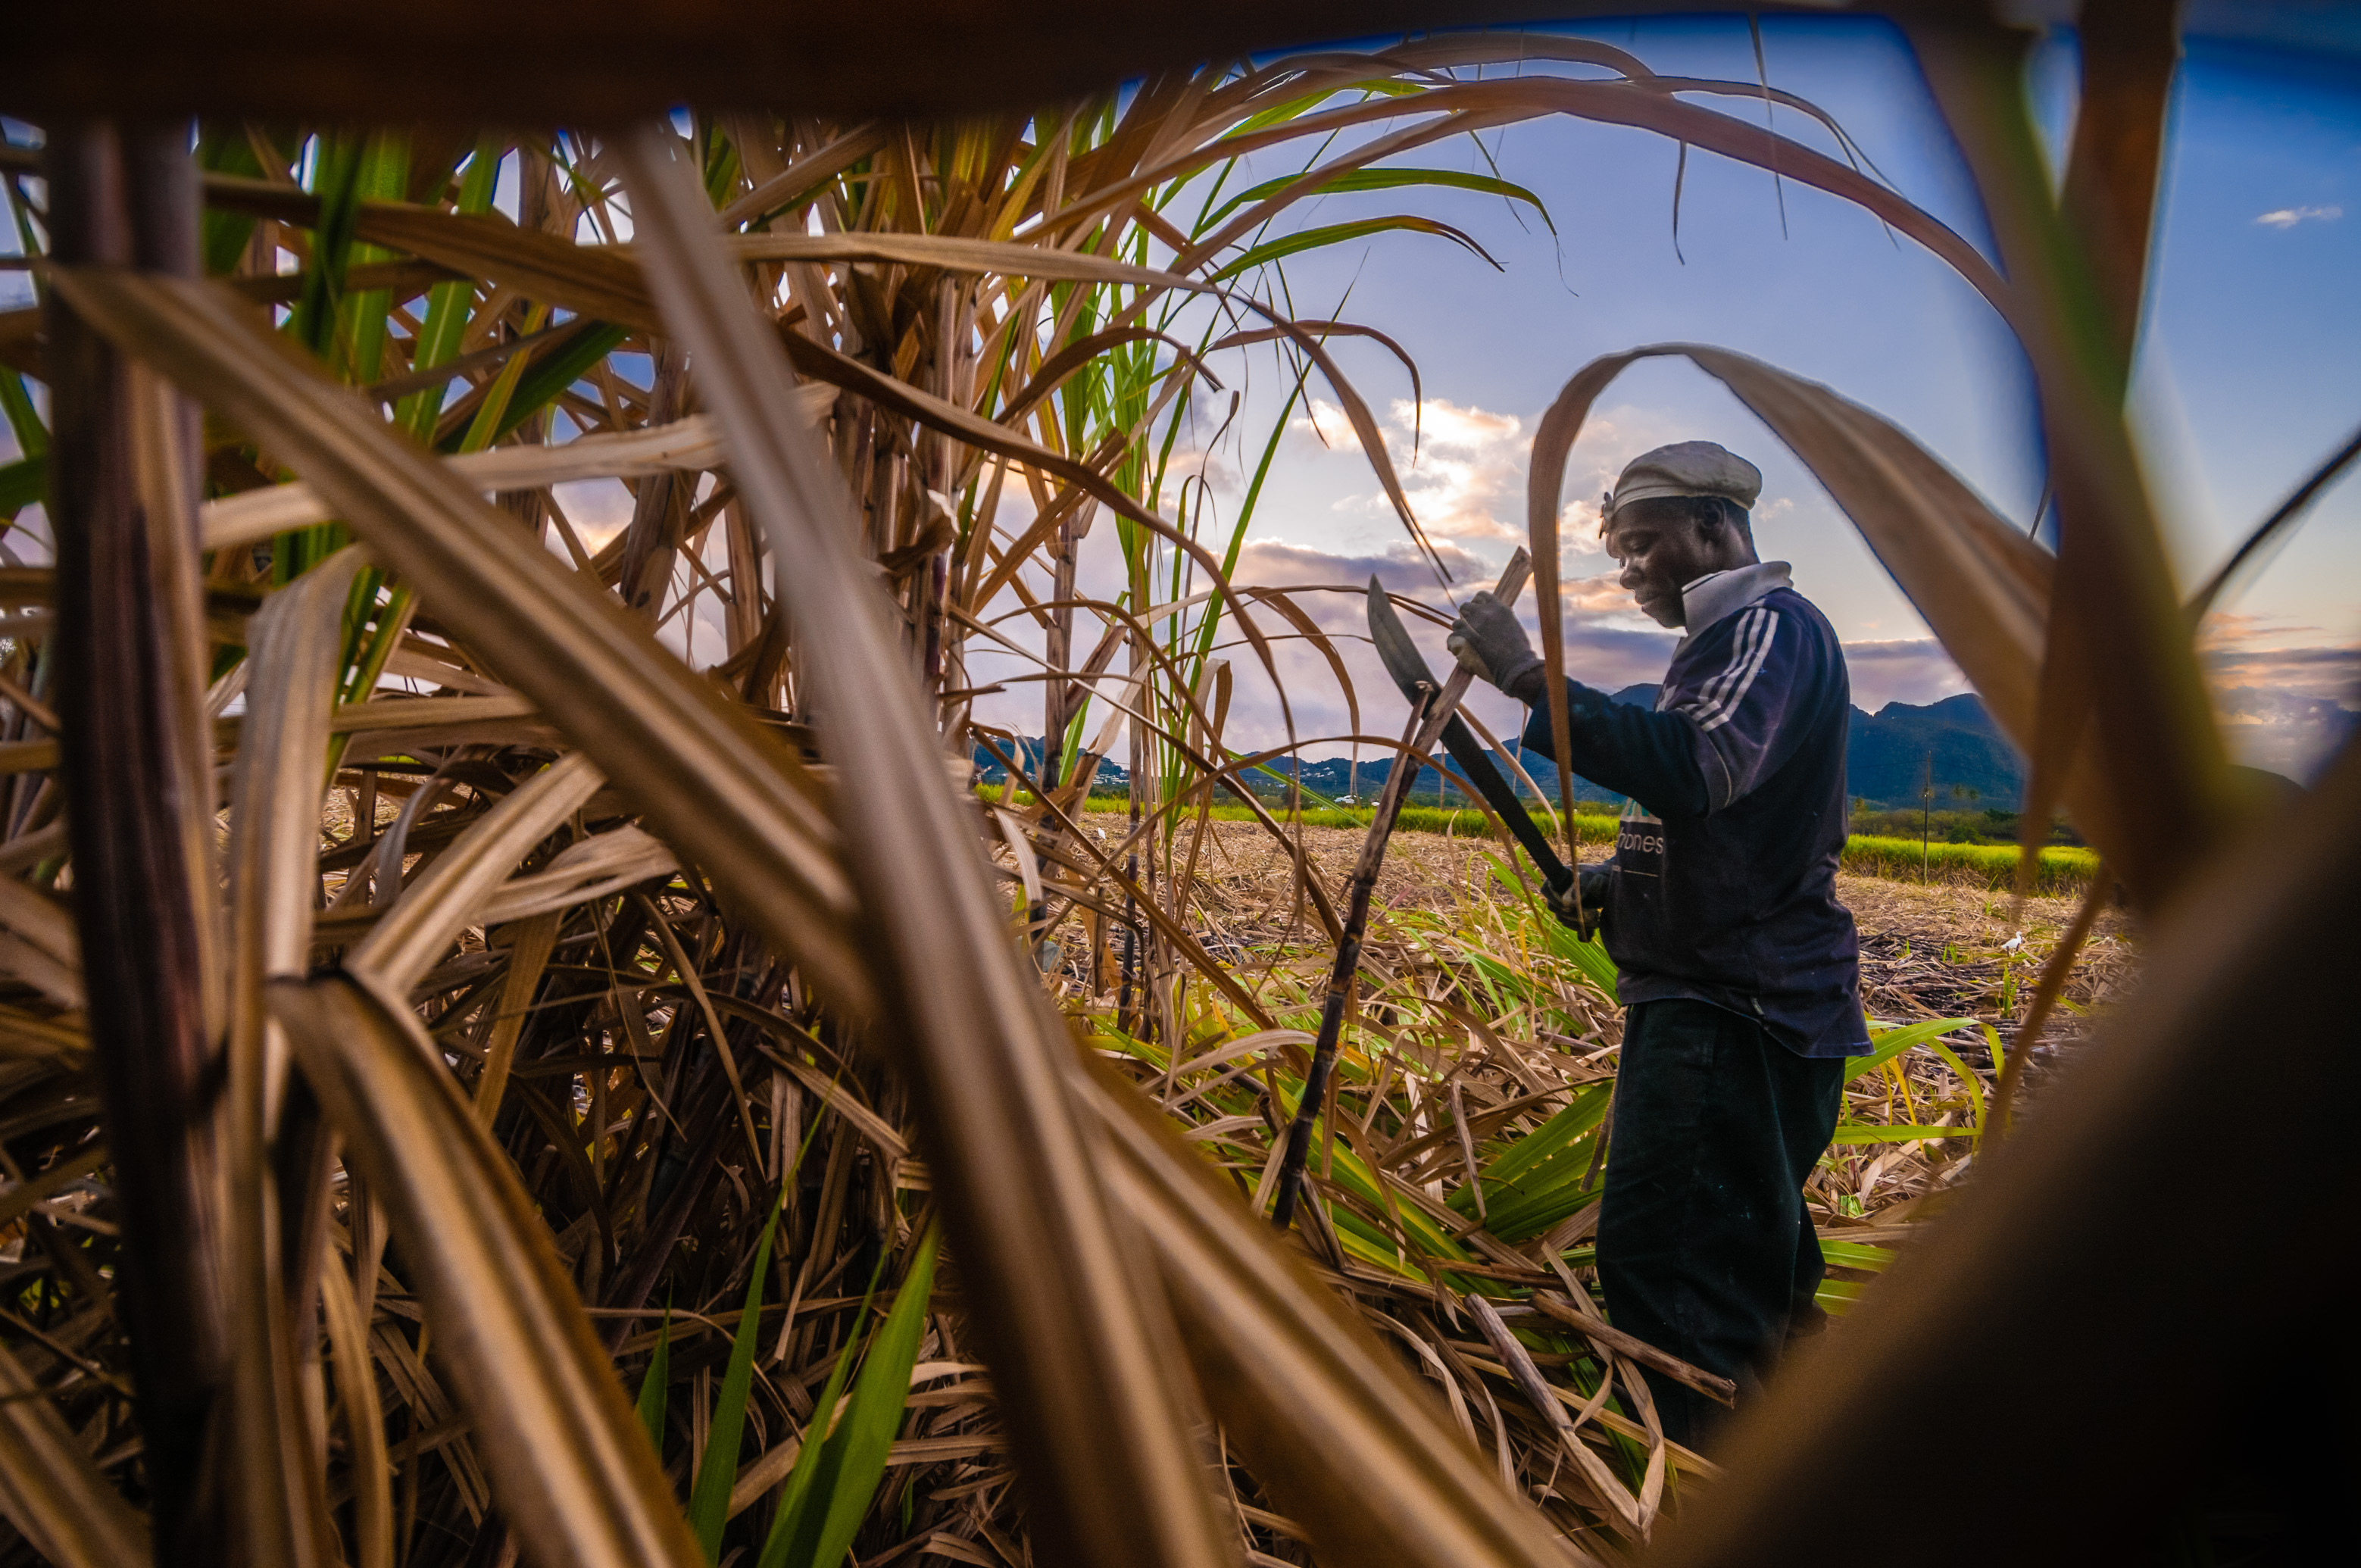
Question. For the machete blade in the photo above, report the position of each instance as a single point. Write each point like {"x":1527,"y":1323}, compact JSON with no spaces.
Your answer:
{"x":1407,"y":666}
{"x":1402,"y":660}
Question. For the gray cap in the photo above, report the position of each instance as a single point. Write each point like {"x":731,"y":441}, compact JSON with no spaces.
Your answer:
{"x":1687,"y":468}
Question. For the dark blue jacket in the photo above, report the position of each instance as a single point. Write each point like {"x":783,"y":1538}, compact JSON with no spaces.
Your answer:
{"x":1725,"y":864}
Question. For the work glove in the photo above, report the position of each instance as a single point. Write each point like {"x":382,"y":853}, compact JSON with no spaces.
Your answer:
{"x":1491,"y":645}
{"x":1597,"y":885}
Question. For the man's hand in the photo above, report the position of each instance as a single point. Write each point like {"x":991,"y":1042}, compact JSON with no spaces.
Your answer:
{"x":1490,"y":644}
{"x":1597,"y":885}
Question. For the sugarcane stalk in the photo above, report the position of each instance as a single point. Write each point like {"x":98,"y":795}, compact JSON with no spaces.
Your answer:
{"x":1427,"y":719}
{"x":1349,"y":962}
{"x":136,"y":767}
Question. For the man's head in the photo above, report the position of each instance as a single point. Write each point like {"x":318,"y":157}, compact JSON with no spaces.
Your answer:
{"x":1676,"y":514}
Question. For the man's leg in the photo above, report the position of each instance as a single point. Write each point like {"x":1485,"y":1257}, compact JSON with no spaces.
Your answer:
{"x":1697,"y":1244}
{"x":1813,"y":1098}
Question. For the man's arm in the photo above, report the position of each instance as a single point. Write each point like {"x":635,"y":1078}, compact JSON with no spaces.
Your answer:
{"x":1652,"y":757}
{"x":1734,"y":725}
{"x":1649,"y":756}
{"x":1753,"y":712}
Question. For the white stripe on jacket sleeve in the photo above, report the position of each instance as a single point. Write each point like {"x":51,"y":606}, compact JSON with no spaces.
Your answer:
{"x":1714,"y":704}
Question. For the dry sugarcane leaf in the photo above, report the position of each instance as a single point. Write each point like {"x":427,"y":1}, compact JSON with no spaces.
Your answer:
{"x":804,"y":174}
{"x":1636,"y":1517}
{"x":570,"y":1467}
{"x":1326,"y":1418}
{"x":704,"y":774}
{"x":290,"y":691}
{"x":257,"y":515}
{"x":716,"y":1036}
{"x":451,"y":896}
{"x":369,"y":1471}
{"x":1644,"y":105}
{"x":2128,"y":49}
{"x":1072,"y":1316}
{"x":603,"y":283}
{"x":38,"y":944}
{"x":2160,"y":760}
{"x":530,"y":943}
{"x":51,"y":1492}
{"x":690,"y":443}
{"x":587,"y":870}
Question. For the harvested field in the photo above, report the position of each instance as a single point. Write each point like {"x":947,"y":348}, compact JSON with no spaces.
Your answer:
{"x":1939,"y":949}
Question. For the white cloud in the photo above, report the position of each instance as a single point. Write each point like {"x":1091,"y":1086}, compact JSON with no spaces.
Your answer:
{"x":598,"y":509}
{"x":1323,"y":422}
{"x":2288,"y":217}
{"x":1462,"y":467}
{"x":2284,"y":732}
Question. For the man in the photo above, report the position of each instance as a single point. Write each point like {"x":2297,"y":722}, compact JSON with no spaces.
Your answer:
{"x":1738,"y":966}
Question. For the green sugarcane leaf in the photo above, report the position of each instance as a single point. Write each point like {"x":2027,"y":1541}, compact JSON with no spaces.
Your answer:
{"x":1385,"y":180}
{"x":1298,"y":107}
{"x":549,"y":377}
{"x":24,"y":418}
{"x":864,"y":1438}
{"x":1540,"y":1165}
{"x":1855,"y":1254}
{"x":336,"y":181}
{"x":489,"y":423}
{"x":1874,"y":1133}
{"x":655,"y":1388}
{"x":1341,"y":233}
{"x":708,"y":1501}
{"x":1887,"y":1044}
{"x":1527,"y":1218}
{"x":361,"y":318}
{"x":807,"y":1504}
{"x":22,"y":483}
{"x":1352,"y":1173}
{"x":448,"y":305}
{"x":225,"y":147}
{"x":1975,"y":1085}
{"x":1589,"y":957}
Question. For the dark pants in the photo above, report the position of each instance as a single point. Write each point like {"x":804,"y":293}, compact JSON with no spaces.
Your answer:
{"x":1703,"y":1246}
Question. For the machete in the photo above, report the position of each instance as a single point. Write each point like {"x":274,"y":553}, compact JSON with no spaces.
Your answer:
{"x":1406,"y":665}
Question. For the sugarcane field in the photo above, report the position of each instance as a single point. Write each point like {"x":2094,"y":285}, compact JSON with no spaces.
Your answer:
{"x":1389,"y":785}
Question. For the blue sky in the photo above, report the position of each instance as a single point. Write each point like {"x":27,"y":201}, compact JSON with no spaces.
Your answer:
{"x":2248,"y":374}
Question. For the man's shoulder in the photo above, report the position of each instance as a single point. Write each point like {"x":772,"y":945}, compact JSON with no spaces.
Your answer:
{"x":1804,"y":616}
{"x":1782,"y":636}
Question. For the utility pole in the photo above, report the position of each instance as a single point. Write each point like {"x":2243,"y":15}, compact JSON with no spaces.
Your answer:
{"x":1926,"y":815}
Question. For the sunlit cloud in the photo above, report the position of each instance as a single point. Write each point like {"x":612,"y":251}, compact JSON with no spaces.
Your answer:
{"x":2284,"y":732}
{"x":2273,"y":652}
{"x":2288,"y":217}
{"x":1463,"y":467}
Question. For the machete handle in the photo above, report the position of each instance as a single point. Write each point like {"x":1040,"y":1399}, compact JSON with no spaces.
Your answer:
{"x":1513,"y":576}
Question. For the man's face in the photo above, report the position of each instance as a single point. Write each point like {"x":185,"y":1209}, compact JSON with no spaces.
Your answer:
{"x":1661,"y":545}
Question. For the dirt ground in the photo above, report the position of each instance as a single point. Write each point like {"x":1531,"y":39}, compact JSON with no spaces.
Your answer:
{"x":1937,"y":950}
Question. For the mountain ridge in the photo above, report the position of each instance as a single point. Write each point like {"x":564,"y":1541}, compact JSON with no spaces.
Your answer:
{"x":1888,"y":758}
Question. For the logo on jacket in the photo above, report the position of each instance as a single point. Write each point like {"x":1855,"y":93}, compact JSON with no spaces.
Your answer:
{"x":1639,"y":842}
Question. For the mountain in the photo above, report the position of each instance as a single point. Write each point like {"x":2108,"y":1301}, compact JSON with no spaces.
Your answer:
{"x":1888,"y":758}
{"x":1886,"y":754}
{"x":1027,"y":756}
{"x":1885,"y":760}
